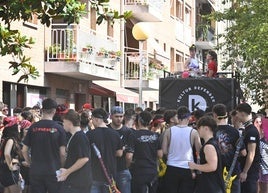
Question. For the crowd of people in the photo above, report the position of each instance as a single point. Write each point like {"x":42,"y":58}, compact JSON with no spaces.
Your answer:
{"x":53,"y":149}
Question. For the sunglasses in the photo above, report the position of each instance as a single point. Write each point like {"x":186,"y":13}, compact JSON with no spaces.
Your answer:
{"x":4,"y":109}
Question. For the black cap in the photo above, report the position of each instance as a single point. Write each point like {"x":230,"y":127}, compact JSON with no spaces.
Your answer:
{"x":193,"y":47}
{"x":101,"y":114}
{"x":49,"y":104}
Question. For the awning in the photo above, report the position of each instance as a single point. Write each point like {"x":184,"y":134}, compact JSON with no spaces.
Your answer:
{"x":121,"y":94}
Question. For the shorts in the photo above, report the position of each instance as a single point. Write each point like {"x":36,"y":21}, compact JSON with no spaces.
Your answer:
{"x":8,"y":178}
{"x":263,"y":178}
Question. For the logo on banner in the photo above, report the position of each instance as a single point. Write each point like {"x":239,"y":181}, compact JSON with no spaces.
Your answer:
{"x":196,"y":97}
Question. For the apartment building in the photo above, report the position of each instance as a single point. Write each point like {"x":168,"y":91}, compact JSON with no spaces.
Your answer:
{"x":171,"y":25}
{"x":85,"y":63}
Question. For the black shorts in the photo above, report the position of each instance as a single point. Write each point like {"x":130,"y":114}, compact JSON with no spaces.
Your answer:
{"x":8,"y":178}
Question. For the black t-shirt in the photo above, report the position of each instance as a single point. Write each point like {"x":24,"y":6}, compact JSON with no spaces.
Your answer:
{"x":45,"y":138}
{"x":78,"y":147}
{"x":146,"y":145}
{"x":227,"y":138}
{"x":108,"y":142}
{"x":210,"y":182}
{"x":125,"y":136}
{"x":251,"y":135}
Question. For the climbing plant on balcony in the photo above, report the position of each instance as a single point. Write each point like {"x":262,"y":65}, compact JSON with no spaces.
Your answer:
{"x":13,"y":42}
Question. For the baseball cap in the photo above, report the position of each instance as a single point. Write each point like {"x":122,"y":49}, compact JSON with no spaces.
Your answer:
{"x":192,"y":47}
{"x":87,"y":106}
{"x":62,"y":109}
{"x":117,"y":110}
{"x":49,"y":104}
{"x":100,"y":113}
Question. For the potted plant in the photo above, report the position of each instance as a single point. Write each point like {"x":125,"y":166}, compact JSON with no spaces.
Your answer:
{"x":118,"y":55}
{"x":88,"y":49}
{"x":53,"y":51}
{"x":103,"y":53}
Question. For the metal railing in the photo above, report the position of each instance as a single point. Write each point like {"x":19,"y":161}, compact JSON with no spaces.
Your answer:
{"x":132,"y":68}
{"x":157,"y":4}
{"x":69,"y":43}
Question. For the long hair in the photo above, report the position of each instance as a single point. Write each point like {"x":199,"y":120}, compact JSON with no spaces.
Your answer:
{"x":12,"y":132}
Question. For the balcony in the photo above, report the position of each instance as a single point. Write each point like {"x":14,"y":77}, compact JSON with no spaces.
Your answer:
{"x":205,"y":38}
{"x":151,"y":73}
{"x":183,"y":32}
{"x":77,"y":53}
{"x":145,"y":10}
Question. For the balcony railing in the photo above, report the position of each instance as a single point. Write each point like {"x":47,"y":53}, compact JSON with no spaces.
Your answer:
{"x":69,"y":43}
{"x":145,"y":10}
{"x":150,"y":71}
{"x":156,"y":4}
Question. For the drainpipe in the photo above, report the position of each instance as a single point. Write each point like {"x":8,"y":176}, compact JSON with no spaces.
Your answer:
{"x":122,"y":45}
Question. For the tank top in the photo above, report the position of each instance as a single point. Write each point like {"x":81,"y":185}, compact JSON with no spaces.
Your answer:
{"x":180,"y":148}
{"x":210,"y":182}
{"x":193,"y":65}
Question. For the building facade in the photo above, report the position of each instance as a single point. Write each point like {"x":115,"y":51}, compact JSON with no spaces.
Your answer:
{"x":100,"y":63}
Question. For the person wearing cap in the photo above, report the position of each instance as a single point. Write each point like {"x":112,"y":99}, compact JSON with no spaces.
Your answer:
{"x":250,"y":164}
{"x":123,"y":177}
{"x":158,"y":124}
{"x":87,"y":107}
{"x":192,"y":63}
{"x":227,"y":138}
{"x":76,"y":173}
{"x":47,"y":141}
{"x":110,"y":145}
{"x":10,"y":154}
{"x":178,"y":145}
{"x":61,"y":110}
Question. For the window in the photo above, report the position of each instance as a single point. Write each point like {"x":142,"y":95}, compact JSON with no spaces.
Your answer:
{"x":179,"y":9}
{"x":93,"y":18}
{"x":187,"y":16}
{"x":172,"y":8}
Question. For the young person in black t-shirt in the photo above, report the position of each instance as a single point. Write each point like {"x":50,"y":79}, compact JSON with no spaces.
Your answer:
{"x":227,"y":138}
{"x":123,"y":176}
{"x":76,"y":174}
{"x":211,"y":179}
{"x":250,"y":164}
{"x":46,"y":139}
{"x":147,"y":149}
{"x":109,"y":143}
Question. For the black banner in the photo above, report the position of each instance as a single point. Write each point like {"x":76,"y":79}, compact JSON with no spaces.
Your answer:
{"x":200,"y":93}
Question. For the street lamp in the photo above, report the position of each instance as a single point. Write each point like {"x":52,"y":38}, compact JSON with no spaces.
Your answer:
{"x":140,"y":33}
